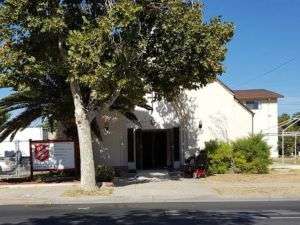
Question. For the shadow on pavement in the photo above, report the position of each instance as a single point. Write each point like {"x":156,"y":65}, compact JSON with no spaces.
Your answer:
{"x":145,"y":176}
{"x":144,"y":217}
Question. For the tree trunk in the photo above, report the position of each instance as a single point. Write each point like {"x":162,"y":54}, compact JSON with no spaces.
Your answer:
{"x":88,"y":180}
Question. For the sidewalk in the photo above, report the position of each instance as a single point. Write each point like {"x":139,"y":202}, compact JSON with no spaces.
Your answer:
{"x":229,"y":187}
{"x":186,"y":190}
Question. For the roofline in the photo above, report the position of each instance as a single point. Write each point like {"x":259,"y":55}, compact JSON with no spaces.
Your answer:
{"x":275,"y":93}
{"x":238,"y":101}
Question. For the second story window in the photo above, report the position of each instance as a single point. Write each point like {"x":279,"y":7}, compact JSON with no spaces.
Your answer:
{"x":252,"y":104}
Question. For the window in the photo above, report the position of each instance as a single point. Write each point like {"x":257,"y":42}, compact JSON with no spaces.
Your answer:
{"x":252,"y":104}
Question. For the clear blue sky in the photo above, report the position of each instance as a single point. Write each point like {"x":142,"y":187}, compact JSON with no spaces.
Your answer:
{"x":267,"y":36}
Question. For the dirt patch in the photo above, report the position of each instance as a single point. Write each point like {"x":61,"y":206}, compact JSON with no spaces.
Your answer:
{"x":258,"y":192}
{"x":77,"y":192}
{"x":292,"y":176}
{"x":273,"y":185}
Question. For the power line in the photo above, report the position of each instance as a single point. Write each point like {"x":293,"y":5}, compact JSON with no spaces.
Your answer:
{"x":270,"y":71}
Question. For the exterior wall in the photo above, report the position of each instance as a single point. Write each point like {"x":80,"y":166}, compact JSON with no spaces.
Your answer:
{"x":214,"y":106}
{"x":113,"y":150}
{"x":221,"y":115}
{"x":22,"y":140}
{"x":266,"y":122}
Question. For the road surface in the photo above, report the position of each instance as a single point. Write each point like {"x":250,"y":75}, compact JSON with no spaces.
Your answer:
{"x":218,"y":213}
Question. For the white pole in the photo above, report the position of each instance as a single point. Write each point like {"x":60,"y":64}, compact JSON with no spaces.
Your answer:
{"x":282,"y":148}
{"x":296,"y":147}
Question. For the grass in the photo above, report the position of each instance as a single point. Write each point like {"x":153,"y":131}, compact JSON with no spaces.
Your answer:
{"x":77,"y":192}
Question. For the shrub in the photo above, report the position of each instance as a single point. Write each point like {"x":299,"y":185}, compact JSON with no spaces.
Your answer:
{"x":245,"y":155}
{"x":105,"y":173}
{"x":219,"y":156}
{"x":253,"y":154}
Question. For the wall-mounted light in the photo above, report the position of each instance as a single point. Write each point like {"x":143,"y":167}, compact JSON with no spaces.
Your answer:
{"x":106,"y":127}
{"x":152,"y":122}
{"x":200,"y":125}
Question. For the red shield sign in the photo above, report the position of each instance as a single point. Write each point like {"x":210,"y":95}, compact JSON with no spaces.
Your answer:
{"x":41,"y":152}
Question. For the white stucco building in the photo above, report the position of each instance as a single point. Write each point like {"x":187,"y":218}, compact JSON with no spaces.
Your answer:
{"x":264,"y":105}
{"x":21,"y":141}
{"x":171,"y":130}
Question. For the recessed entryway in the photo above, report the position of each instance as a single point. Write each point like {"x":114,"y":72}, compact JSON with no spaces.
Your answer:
{"x":154,"y":155}
{"x":153,"y":148}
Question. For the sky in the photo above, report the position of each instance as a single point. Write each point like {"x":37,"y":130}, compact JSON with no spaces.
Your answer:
{"x":264,"y":52}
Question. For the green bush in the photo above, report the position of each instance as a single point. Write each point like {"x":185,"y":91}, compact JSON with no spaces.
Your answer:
{"x":219,"y":156}
{"x":245,"y":155}
{"x":254,"y":154}
{"x":105,"y":173}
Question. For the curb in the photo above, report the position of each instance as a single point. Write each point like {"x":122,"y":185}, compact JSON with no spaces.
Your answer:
{"x":49,"y":203}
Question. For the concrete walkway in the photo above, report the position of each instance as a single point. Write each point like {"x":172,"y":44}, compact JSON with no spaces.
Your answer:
{"x":183,"y":190}
{"x":159,"y":187}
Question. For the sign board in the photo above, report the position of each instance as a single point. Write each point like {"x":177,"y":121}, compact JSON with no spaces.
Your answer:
{"x":52,"y":155}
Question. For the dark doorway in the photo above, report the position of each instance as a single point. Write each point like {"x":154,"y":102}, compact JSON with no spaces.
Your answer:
{"x":154,"y":148}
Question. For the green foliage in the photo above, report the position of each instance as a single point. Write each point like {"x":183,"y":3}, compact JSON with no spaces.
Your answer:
{"x":255,"y":152}
{"x":111,"y":54}
{"x":4,"y":117}
{"x":219,"y":156}
{"x":125,"y":48}
{"x":148,"y":46}
{"x":245,"y":155}
{"x":105,"y":173}
{"x":50,"y":100}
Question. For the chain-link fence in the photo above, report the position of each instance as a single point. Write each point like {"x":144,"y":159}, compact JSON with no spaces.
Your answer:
{"x":14,"y":160}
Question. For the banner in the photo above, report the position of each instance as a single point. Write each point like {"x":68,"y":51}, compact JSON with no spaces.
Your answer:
{"x":55,"y":155}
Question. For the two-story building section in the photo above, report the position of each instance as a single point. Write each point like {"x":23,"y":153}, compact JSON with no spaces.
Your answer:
{"x":264,"y":104}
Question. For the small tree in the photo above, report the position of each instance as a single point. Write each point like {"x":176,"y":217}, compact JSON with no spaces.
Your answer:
{"x":109,"y":51}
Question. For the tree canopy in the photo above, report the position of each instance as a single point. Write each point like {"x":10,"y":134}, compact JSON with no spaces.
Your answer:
{"x":108,"y":54}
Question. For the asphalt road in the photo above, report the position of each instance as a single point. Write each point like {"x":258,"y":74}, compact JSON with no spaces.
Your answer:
{"x":222,"y":213}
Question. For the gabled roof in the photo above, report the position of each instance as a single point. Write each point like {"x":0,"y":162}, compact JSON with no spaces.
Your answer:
{"x":235,"y":98}
{"x":256,"y":94}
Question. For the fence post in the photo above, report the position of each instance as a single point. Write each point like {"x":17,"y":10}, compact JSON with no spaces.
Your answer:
{"x":31,"y":161}
{"x":295,"y":146}
{"x":282,"y":148}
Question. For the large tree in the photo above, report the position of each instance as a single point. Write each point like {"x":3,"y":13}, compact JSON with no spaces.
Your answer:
{"x":108,"y":52}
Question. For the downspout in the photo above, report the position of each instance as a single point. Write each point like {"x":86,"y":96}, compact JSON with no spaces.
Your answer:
{"x":252,"y":128}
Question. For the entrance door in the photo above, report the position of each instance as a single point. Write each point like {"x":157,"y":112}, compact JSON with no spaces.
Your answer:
{"x":154,"y":147}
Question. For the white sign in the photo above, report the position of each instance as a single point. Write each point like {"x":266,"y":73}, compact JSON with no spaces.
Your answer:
{"x":53,"y":155}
